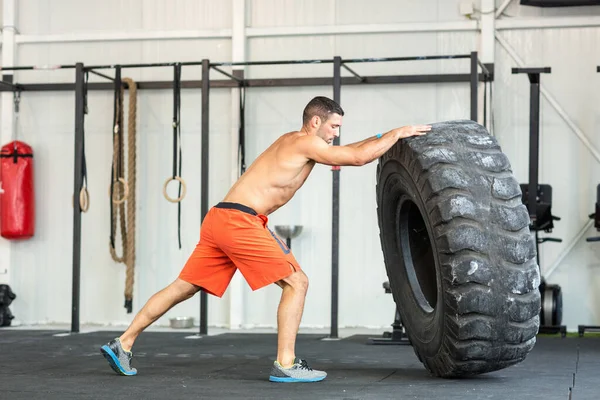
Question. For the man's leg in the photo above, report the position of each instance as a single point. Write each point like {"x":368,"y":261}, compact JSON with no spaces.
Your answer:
{"x":289,"y":314}
{"x":155,"y":307}
{"x":118,"y":351}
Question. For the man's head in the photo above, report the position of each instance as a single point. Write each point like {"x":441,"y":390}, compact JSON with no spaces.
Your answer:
{"x":323,"y":118}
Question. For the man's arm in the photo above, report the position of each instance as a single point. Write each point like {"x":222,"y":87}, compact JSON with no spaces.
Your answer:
{"x":358,"y":144}
{"x":359,"y":153}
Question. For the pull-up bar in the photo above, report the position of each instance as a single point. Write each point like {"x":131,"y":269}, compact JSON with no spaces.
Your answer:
{"x":37,"y":67}
{"x":235,"y":82}
{"x":344,"y":61}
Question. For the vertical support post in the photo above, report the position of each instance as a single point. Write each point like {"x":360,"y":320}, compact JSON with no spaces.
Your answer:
{"x":204,"y":178}
{"x":474,"y":82}
{"x":534,"y":143}
{"x":237,"y":284}
{"x":9,"y":8}
{"x":77,"y":184}
{"x":238,"y":54}
{"x":335,"y":211}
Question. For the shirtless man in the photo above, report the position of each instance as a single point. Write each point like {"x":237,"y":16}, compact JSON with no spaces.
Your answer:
{"x":235,"y":235}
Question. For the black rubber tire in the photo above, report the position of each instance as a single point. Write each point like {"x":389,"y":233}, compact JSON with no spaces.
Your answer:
{"x":458,"y":251}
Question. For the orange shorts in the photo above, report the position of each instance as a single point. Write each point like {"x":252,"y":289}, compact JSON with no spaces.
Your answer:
{"x":232,"y":237}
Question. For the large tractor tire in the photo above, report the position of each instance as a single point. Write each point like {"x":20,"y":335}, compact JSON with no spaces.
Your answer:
{"x":458,"y":251}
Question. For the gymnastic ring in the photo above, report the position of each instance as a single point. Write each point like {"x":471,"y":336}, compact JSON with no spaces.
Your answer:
{"x":125,"y":189}
{"x":183,"y":189}
{"x":84,"y":199}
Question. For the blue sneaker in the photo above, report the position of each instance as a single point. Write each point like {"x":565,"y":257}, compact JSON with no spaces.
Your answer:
{"x":118,"y":359}
{"x":299,"y":372}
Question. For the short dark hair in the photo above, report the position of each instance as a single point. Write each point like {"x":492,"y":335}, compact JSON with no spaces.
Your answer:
{"x":322,"y":107}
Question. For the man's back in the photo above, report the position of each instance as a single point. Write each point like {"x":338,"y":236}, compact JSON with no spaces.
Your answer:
{"x":274,"y":177}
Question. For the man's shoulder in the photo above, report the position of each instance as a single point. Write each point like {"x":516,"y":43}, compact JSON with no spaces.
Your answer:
{"x":303,"y":143}
{"x":297,"y":144}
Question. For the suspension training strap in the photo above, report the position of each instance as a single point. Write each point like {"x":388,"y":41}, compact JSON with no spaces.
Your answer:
{"x":84,"y":198}
{"x":242,"y":133}
{"x":177,"y":139}
{"x":176,"y":173}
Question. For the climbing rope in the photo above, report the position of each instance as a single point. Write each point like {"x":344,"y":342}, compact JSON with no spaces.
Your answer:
{"x":123,"y":190}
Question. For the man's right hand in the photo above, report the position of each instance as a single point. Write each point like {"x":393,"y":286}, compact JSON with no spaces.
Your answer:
{"x":411,"y":130}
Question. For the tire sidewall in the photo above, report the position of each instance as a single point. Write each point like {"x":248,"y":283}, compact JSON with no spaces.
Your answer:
{"x":425,"y":329}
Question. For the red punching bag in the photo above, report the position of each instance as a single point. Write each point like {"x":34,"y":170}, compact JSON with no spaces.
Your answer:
{"x":17,"y":207}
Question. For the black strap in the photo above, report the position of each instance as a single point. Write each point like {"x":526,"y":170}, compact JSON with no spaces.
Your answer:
{"x":17,"y":101}
{"x":15,"y":155}
{"x":116,"y":163}
{"x":85,"y":111}
{"x":177,"y":138}
{"x":242,"y":130}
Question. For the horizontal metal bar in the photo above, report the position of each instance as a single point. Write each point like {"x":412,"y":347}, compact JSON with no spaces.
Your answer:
{"x":374,"y":80}
{"x":105,"y":66}
{"x":143,"y":65}
{"x":281,"y":62}
{"x":37,"y":67}
{"x":241,"y":63}
{"x":148,"y":85}
{"x":414,"y":58}
{"x":278,"y":82}
{"x":543,"y":70}
{"x":330,"y":60}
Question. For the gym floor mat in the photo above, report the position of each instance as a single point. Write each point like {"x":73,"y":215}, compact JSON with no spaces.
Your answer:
{"x":36,"y":364}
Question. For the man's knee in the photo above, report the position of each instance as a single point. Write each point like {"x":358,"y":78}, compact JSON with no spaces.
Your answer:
{"x":185,"y":289}
{"x":297,"y":280}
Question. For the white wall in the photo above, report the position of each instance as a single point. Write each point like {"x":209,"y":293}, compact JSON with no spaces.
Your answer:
{"x":41,"y":267}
